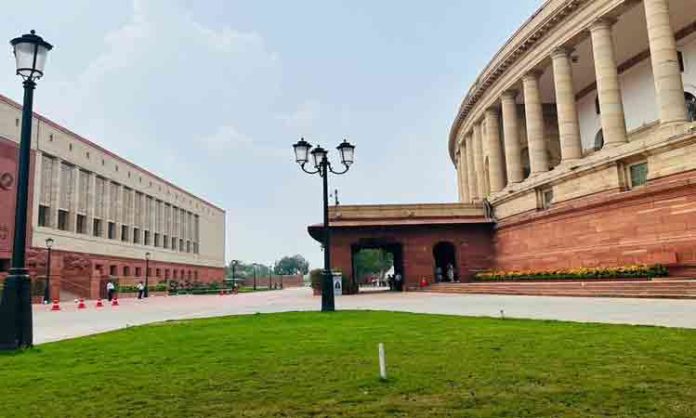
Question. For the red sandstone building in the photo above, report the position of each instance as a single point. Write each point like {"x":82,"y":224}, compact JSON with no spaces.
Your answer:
{"x":104,"y":214}
{"x":578,"y":139}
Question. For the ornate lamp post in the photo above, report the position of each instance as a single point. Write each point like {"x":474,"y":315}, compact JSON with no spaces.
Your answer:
{"x":16,"y":331}
{"x":47,"y":290}
{"x":323,"y":168}
{"x":147,"y":272}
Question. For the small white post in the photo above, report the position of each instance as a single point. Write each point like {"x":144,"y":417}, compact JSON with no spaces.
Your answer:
{"x":382,"y":363}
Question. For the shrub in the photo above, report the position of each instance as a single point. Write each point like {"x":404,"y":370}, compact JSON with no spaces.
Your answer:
{"x":632,"y":271}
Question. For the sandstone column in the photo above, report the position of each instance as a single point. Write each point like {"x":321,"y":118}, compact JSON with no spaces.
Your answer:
{"x":470,"y":169}
{"x":478,"y":161}
{"x":665,"y":64}
{"x":513,"y":153}
{"x":534,"y":112}
{"x":461,"y":170}
{"x":496,"y":170}
{"x":568,"y":125}
{"x":608,"y":88}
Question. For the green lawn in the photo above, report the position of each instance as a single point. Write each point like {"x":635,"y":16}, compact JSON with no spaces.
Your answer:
{"x":313,"y":364}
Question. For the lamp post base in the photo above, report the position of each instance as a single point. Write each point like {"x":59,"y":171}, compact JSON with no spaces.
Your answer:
{"x":327,"y":293}
{"x":15,"y":311}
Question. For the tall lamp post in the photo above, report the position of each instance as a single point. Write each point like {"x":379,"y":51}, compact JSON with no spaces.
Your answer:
{"x":147,"y":272}
{"x":323,"y":168}
{"x":234,"y":277}
{"x":270,"y":278}
{"x":47,"y":290}
{"x":254,"y":275}
{"x":16,"y":330}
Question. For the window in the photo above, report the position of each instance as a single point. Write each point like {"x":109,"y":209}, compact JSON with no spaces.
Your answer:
{"x":690,"y":106}
{"x":126,"y":271}
{"x":124,"y":233}
{"x":638,"y":174}
{"x":195,"y":275}
{"x":81,"y":224}
{"x":146,"y":239}
{"x":188,"y":246}
{"x":63,"y":220}
{"x":157,"y":273}
{"x":111,"y":232}
{"x":97,"y":227}
{"x":680,"y":58}
{"x":165,"y":241}
{"x":174,"y":243}
{"x":175,"y":274}
{"x":166,"y":274}
{"x":181,"y":245}
{"x":138,"y":272}
{"x":112,"y":271}
{"x":157,"y":240}
{"x":545,"y":198}
{"x":136,"y":236}
{"x":44,"y":212}
{"x":599,"y":140}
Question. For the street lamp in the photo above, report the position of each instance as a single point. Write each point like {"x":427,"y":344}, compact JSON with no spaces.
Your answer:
{"x":322,"y":165}
{"x":254,"y":275}
{"x":16,"y":331}
{"x":234,"y":277}
{"x":270,"y":278}
{"x":47,"y":290}
{"x":147,"y":271}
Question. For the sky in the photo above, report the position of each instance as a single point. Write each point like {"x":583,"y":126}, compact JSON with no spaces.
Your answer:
{"x":211,"y":95}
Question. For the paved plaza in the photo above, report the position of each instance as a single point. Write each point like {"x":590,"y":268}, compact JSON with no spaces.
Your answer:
{"x":71,"y":322}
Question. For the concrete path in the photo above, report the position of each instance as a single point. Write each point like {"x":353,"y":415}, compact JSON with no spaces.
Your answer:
{"x":70,"y":322}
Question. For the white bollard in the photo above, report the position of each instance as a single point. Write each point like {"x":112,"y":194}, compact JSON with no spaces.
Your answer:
{"x":382,"y":363}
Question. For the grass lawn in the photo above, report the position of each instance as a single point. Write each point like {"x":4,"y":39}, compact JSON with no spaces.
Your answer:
{"x":313,"y":364}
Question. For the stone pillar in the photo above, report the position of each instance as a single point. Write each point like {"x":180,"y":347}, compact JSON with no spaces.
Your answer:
{"x":470,"y":169}
{"x":463,"y":180}
{"x":513,"y":152}
{"x":534,"y":112}
{"x":36,"y":199}
{"x":608,"y":88}
{"x":478,"y":161}
{"x":74,"y":199}
{"x":56,"y":191}
{"x":665,"y":64}
{"x":496,"y":170}
{"x":568,"y":125}
{"x":91,"y":202}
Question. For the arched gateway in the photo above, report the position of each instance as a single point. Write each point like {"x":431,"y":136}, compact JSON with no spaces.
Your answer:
{"x":419,"y":237}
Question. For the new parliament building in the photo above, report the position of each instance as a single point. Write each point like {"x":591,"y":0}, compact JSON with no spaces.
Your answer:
{"x":104,"y":214}
{"x":574,"y":147}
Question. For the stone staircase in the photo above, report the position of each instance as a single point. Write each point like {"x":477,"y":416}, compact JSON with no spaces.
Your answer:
{"x":670,"y":288}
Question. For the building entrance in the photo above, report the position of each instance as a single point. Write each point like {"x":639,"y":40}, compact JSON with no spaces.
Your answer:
{"x":377,"y":265}
{"x":444,"y":255}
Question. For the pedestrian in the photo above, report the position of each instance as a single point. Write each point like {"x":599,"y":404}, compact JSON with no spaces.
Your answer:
{"x":398,"y":282}
{"x":141,"y":290}
{"x":450,"y":272}
{"x":110,"y":288}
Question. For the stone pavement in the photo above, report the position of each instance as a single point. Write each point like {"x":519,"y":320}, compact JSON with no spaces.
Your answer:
{"x":70,"y":322}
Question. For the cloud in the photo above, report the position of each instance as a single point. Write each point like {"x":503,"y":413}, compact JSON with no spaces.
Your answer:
{"x":303,"y":118}
{"x":225,"y":138}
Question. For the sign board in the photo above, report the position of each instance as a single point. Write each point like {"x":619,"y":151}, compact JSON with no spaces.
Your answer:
{"x":338,"y":284}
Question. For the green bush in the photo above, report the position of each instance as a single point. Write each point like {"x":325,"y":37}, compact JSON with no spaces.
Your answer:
{"x":624,"y":272}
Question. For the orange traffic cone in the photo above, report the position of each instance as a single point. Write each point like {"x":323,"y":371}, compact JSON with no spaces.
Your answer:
{"x":114,"y":301}
{"x":56,"y":306}
{"x":81,"y":305}
{"x":99,"y":304}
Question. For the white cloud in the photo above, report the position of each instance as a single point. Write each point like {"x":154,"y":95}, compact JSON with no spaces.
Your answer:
{"x":304,"y":118}
{"x":225,"y":138}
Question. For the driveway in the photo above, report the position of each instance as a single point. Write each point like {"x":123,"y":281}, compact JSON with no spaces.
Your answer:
{"x":71,"y":322}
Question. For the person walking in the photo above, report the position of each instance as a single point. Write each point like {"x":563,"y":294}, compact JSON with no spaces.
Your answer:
{"x":110,"y":288}
{"x":398,"y":282}
{"x":141,"y":290}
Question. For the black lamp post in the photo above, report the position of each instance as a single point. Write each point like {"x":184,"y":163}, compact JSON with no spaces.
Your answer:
{"x":254,"y":276}
{"x":47,"y":290}
{"x":323,"y":167}
{"x":270,"y":279}
{"x":147,"y":272}
{"x":16,"y":330}
{"x":234,"y":277}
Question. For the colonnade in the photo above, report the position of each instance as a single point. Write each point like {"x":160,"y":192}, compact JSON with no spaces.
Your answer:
{"x":486,"y":167}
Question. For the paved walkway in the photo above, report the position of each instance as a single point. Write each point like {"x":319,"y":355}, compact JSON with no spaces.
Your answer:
{"x":70,"y":323}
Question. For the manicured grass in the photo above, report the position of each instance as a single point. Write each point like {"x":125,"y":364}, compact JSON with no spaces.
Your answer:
{"x":313,"y":364}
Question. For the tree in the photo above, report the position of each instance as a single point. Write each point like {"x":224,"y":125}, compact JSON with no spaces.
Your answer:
{"x":292,"y":265}
{"x":372,"y":261}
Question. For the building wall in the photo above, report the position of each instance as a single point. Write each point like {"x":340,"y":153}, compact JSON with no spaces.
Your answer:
{"x":474,"y":250}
